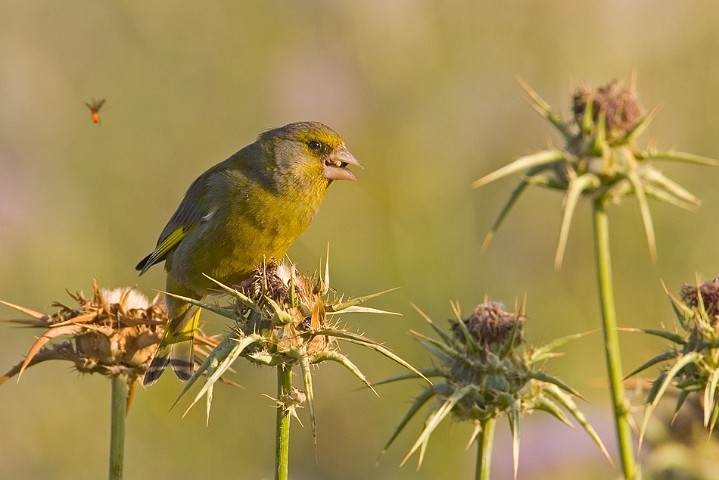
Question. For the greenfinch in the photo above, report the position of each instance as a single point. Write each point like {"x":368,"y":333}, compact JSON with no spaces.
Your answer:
{"x":249,"y":208}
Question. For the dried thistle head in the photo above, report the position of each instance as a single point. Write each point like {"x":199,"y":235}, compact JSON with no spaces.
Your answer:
{"x":487,"y":372}
{"x":618,"y":104}
{"x":284,"y":318}
{"x":599,"y":160}
{"x":113,"y":333}
{"x":491,"y":326}
{"x":291,"y":305}
{"x":706,"y":294}
{"x":692,"y":365}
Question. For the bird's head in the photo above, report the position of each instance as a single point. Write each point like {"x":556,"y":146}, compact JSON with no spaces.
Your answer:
{"x":309,"y":152}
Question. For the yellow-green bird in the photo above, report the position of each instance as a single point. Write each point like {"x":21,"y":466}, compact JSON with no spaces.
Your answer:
{"x":250,"y":207}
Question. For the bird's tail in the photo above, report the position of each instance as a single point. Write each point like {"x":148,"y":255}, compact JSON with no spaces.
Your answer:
{"x":176,"y":347}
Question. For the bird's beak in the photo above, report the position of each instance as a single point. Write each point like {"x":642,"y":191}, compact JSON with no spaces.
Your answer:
{"x":336,"y":163}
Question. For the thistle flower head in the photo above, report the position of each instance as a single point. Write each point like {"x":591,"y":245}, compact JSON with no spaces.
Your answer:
{"x":487,"y":371}
{"x":692,"y":365}
{"x":618,"y":105}
{"x":284,"y":318}
{"x":599,"y":160}
{"x":491,"y":326}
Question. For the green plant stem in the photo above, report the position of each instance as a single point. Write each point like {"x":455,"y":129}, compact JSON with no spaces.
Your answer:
{"x":282,"y":451}
{"x":118,"y":413}
{"x":611,"y":339}
{"x":484,"y":450}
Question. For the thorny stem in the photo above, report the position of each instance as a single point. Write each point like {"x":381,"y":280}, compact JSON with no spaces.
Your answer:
{"x":282,"y":451}
{"x":118,"y":412}
{"x":611,"y":339}
{"x":484,"y":450}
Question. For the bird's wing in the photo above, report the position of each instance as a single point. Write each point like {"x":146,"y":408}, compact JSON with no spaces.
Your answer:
{"x":192,"y":212}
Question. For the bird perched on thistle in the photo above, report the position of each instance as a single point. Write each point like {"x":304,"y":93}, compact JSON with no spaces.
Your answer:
{"x":250,"y":207}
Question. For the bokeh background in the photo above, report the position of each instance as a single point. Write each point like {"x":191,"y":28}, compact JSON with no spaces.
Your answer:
{"x":425,"y":94}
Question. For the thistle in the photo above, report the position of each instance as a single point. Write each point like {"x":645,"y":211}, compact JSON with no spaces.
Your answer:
{"x":601,"y":161}
{"x":114,"y":333}
{"x":488,"y":372}
{"x":692,"y":364}
{"x":285,"y":319}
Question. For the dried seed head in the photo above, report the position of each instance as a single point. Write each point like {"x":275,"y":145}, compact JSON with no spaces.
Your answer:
{"x":491,"y":326}
{"x":619,"y":105}
{"x":708,"y":292}
{"x":272,"y":280}
{"x":116,"y":332}
{"x":292,"y":309}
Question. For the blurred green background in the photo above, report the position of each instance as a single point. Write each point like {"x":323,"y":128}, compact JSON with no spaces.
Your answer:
{"x":425,"y":94}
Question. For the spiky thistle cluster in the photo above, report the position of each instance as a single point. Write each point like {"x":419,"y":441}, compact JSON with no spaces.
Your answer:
{"x":488,"y":372}
{"x":692,"y":365}
{"x":599,"y":160}
{"x":114,"y":332}
{"x":284,"y":318}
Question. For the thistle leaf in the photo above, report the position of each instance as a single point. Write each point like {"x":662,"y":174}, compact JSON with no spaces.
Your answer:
{"x":663,"y":357}
{"x":366,"y":342}
{"x":540,"y":353}
{"x":546,"y":405}
{"x":577,"y":186}
{"x":245,"y":300}
{"x":417,"y":404}
{"x":513,"y":197}
{"x":225,"y":312}
{"x":645,"y":213}
{"x":26,"y":311}
{"x":309,"y":391}
{"x":545,"y":377}
{"x":672,"y":337}
{"x":679,"y":157}
{"x":665,"y":197}
{"x":545,"y":110}
{"x":566,"y":401}
{"x":358,"y":309}
{"x":356,"y":301}
{"x":49,"y":334}
{"x":436,"y":417}
{"x":223,"y":365}
{"x":639,"y":127}
{"x":445,"y":337}
{"x":710,"y":396}
{"x":656,"y":395}
{"x":345,"y":362}
{"x":545,"y":157}
{"x":427,"y":372}
{"x":657,"y":179}
{"x":513,"y":417}
{"x":209,"y":365}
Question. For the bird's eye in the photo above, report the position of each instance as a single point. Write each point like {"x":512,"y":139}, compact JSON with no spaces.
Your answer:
{"x":314,"y":145}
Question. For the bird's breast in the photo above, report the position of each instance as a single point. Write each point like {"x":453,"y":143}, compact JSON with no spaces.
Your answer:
{"x":238,"y":237}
